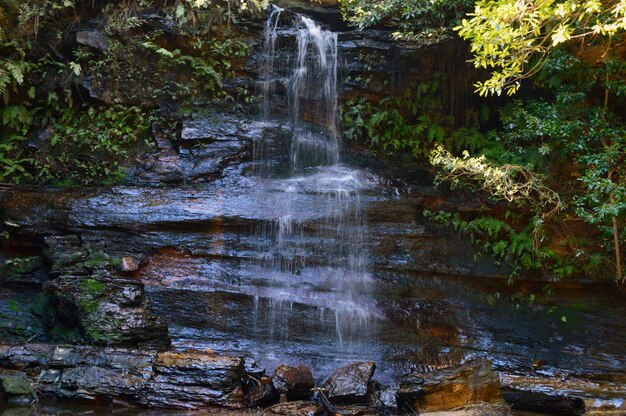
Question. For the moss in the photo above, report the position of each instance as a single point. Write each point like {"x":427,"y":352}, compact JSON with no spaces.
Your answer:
{"x":92,"y":287}
{"x":41,"y":305}
{"x":90,"y":290}
{"x":116,"y":262}
{"x":13,"y":306}
{"x":17,"y":384}
{"x":95,"y":334}
{"x":98,"y":260}
{"x":88,"y":306}
{"x":17,"y":321}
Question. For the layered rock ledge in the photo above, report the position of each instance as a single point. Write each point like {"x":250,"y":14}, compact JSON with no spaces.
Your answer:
{"x":146,"y":378}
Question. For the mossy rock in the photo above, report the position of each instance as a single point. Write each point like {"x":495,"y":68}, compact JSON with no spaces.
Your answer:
{"x":20,"y":270}
{"x":17,"y":388}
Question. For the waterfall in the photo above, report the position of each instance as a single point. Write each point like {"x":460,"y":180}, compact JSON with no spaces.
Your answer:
{"x":316,"y":256}
{"x":310,"y":85}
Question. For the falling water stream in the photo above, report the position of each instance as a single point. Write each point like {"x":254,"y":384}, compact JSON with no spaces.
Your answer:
{"x":302,"y":78}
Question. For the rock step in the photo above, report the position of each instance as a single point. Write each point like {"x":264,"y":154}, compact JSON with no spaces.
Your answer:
{"x":148,"y":378}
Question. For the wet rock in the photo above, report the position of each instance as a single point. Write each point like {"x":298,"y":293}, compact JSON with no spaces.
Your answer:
{"x":21,"y":270}
{"x":295,"y":382}
{"x":191,"y":380}
{"x":387,"y":397}
{"x":41,"y":140}
{"x":324,"y":11}
{"x":110,"y":311}
{"x":163,"y":167}
{"x":212,"y":127}
{"x":95,"y":383}
{"x":25,"y":356}
{"x":350,"y":384}
{"x":23,"y":313}
{"x":16,"y":387}
{"x":93,"y":38}
{"x":194,"y":379}
{"x":471,"y":383}
{"x":70,"y":255}
{"x":201,"y":162}
{"x":298,"y":408}
{"x":544,"y":403}
{"x":129,"y":264}
{"x":162,"y":136}
{"x":260,"y":392}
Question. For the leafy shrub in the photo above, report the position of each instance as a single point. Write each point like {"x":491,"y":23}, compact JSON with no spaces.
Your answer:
{"x":414,"y":122}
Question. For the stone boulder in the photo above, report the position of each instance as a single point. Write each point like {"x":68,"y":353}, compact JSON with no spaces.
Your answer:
{"x":194,"y":379}
{"x":15,"y":387}
{"x":149,"y":378}
{"x":90,"y":294}
{"x":129,"y":264}
{"x":110,"y":311}
{"x":471,"y":383}
{"x":294,"y":382}
{"x":350,"y":384}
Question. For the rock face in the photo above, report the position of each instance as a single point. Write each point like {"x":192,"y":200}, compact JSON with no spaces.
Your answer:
{"x":93,"y":38}
{"x":471,"y":383}
{"x":350,"y":384}
{"x":295,"y":382}
{"x":108,"y":309}
{"x":21,"y":271}
{"x":189,"y":380}
{"x":111,"y":311}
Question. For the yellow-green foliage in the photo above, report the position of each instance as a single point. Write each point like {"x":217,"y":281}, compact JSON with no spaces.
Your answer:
{"x":506,"y":34}
{"x":512,"y":183}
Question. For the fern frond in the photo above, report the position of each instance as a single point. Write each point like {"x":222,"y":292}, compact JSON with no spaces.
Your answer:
{"x":4,"y":80}
{"x":16,"y":71}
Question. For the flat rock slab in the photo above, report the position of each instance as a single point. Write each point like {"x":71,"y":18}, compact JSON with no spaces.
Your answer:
{"x":185,"y":380}
{"x":471,"y":383}
{"x":220,"y":126}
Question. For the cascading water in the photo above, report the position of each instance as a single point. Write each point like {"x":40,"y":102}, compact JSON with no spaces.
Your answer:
{"x":318,"y":202}
{"x":309,"y":82}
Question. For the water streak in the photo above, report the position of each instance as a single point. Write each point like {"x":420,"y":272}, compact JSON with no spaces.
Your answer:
{"x":299,"y":83}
